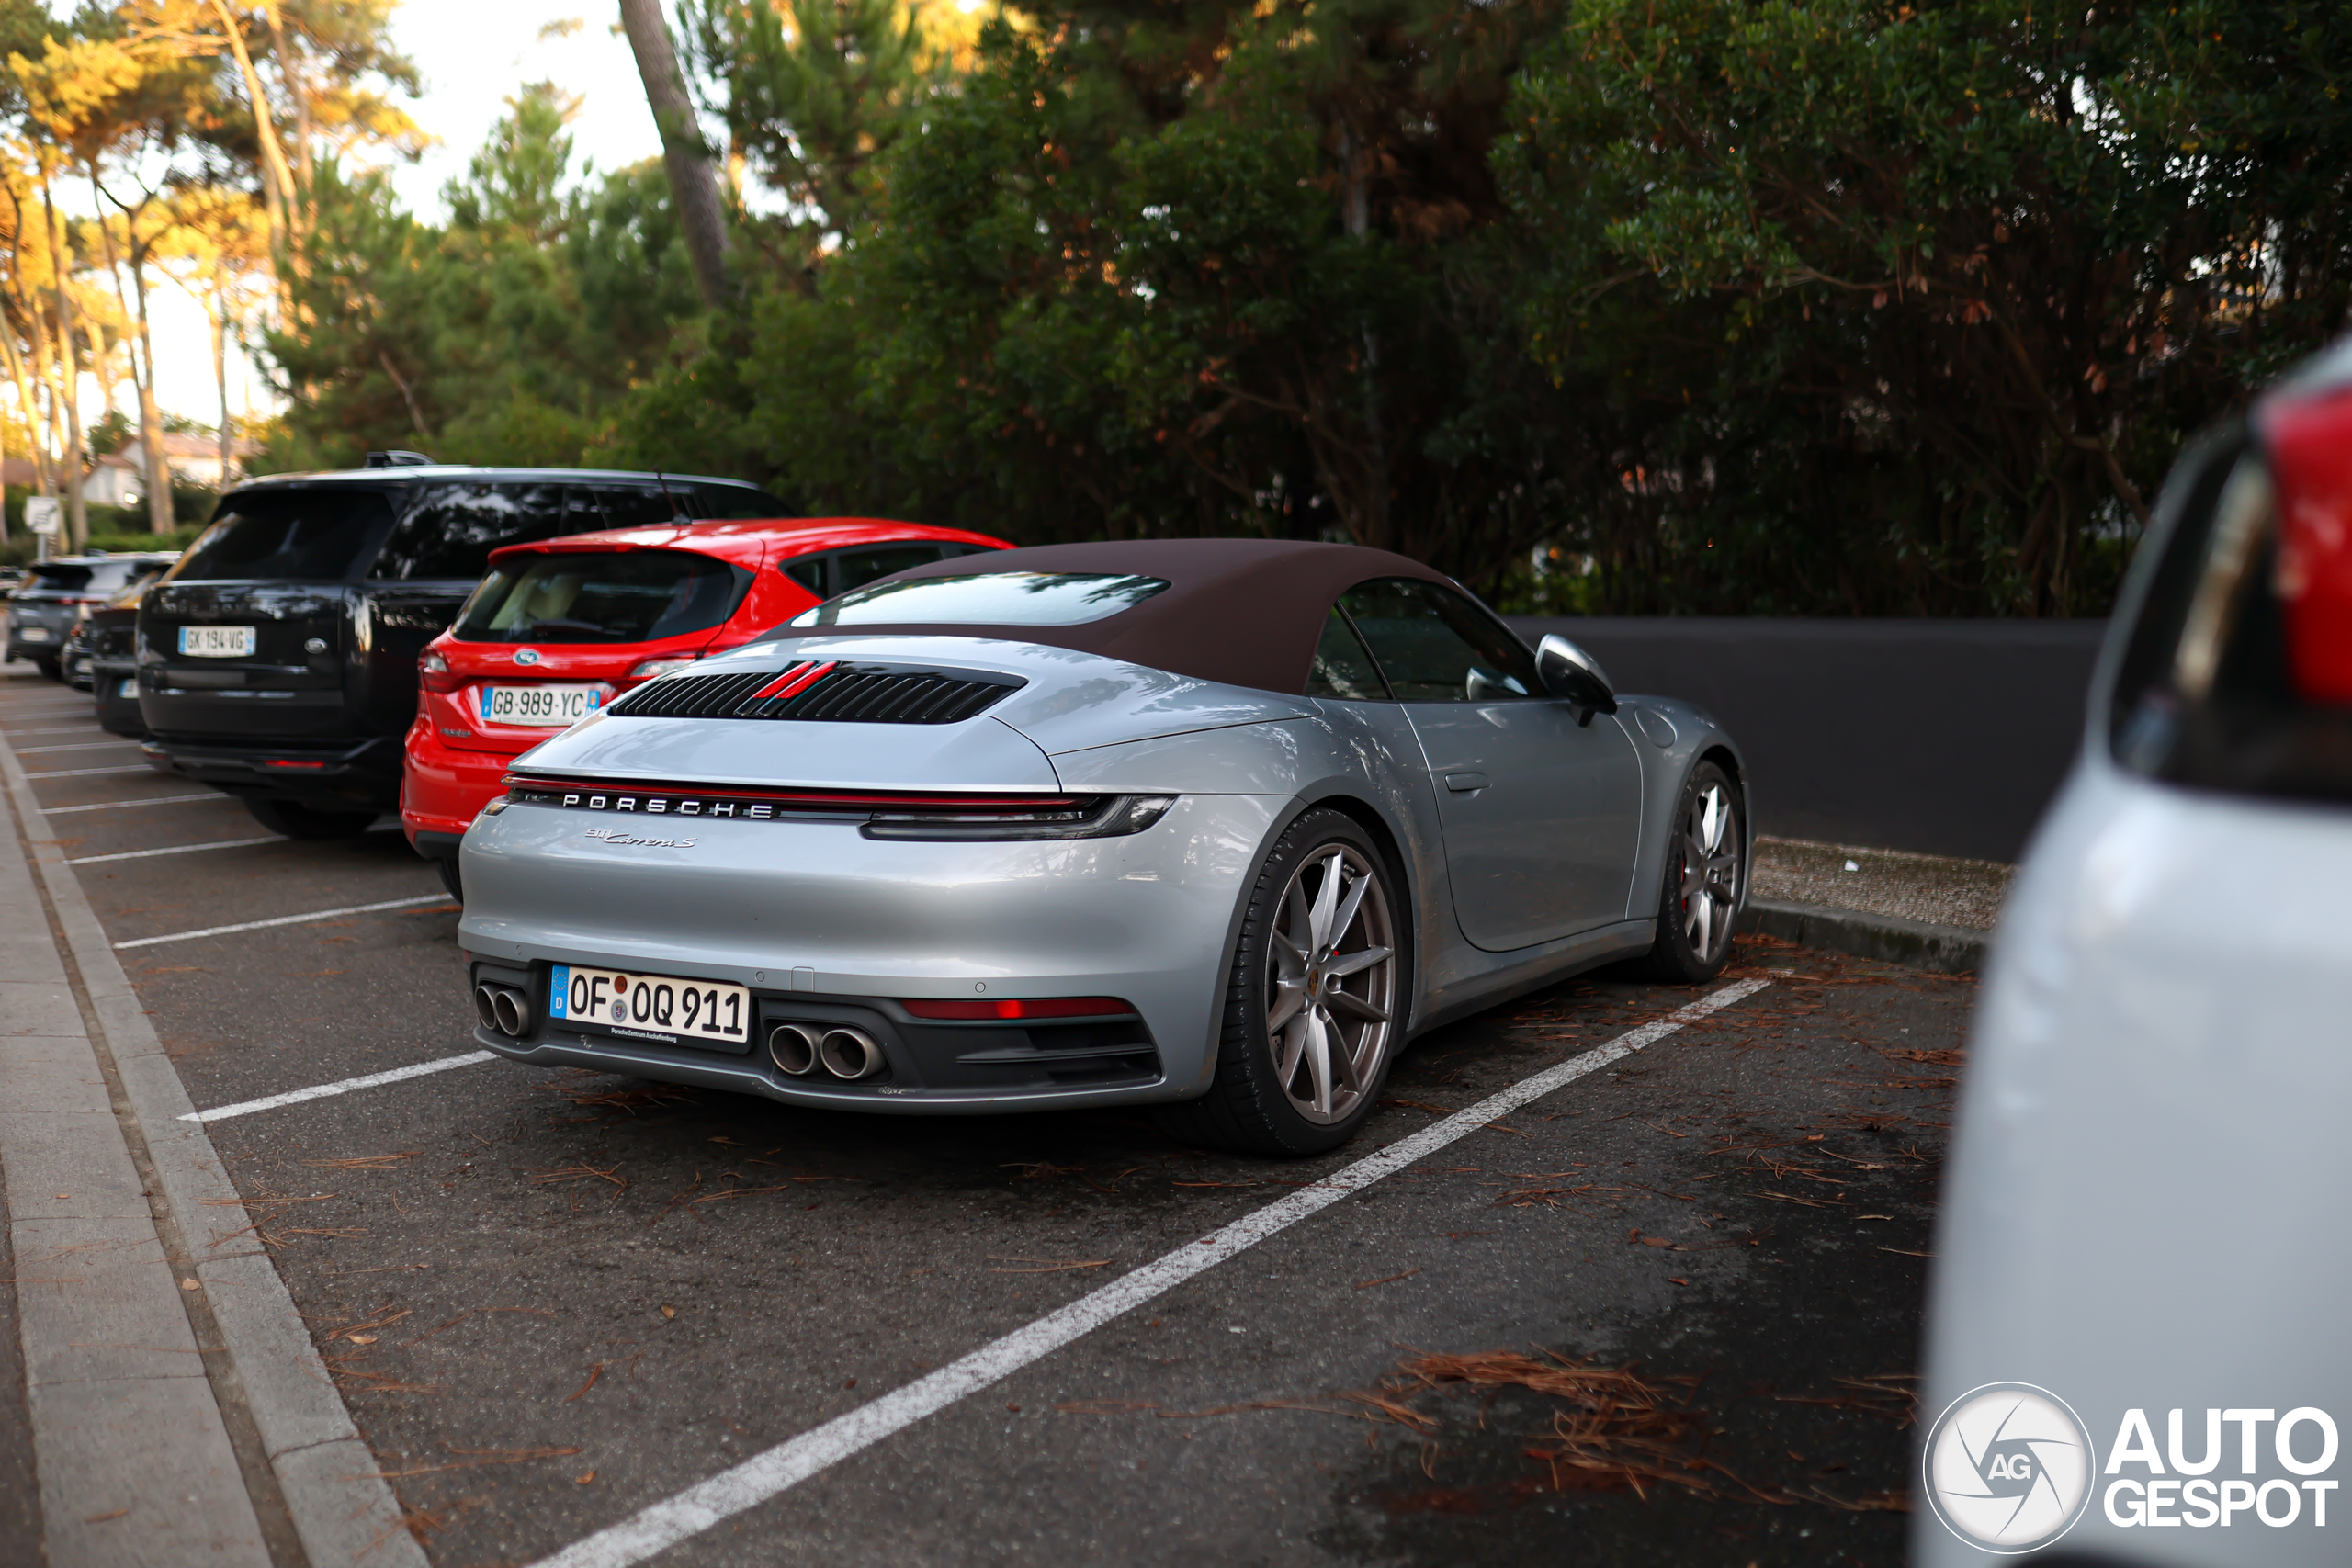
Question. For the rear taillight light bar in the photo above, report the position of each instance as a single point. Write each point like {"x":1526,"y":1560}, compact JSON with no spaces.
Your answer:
{"x":1012,"y":1009}
{"x":904,"y":815}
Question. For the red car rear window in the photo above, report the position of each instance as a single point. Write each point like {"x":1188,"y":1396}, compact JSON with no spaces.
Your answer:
{"x":601,"y":596}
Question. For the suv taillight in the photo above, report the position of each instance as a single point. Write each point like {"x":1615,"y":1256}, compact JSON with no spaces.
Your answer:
{"x":433,"y":673}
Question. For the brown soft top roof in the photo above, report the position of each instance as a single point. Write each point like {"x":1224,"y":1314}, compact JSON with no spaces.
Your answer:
{"x":1244,"y":612}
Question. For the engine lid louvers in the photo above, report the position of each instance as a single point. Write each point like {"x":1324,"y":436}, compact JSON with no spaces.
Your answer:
{"x":830,"y":691}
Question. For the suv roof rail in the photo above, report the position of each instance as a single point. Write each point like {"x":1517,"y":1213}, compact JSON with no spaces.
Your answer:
{"x":397,"y":459}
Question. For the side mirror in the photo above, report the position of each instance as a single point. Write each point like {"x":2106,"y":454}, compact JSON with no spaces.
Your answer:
{"x":1574,"y":676}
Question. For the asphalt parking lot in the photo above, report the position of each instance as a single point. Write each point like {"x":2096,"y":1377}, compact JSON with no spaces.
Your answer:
{"x":1666,"y":1312}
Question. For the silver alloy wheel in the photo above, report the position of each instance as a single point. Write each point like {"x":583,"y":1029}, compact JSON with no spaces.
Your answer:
{"x":1330,"y":984}
{"x":1711,"y":849}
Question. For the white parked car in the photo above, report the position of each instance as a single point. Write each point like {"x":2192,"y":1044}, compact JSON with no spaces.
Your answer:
{"x":2136,"y":1340}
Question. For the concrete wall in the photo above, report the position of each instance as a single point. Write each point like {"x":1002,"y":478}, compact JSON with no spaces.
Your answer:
{"x":1939,"y":737}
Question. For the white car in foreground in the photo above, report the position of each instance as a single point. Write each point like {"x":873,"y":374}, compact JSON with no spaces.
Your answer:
{"x":2137,"y":1350}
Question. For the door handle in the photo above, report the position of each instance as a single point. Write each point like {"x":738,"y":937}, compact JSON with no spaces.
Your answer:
{"x":1463,"y":783}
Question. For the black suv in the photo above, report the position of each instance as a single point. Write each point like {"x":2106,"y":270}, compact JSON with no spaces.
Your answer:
{"x":56,"y":594}
{"x":277,"y":659}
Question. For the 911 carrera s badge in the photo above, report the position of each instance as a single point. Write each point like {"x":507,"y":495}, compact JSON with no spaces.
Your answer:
{"x":623,"y":837}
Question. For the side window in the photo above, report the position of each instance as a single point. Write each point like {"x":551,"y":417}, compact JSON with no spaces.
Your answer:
{"x":809,"y":572}
{"x":728,"y":503}
{"x":452,"y":529}
{"x":1342,"y":668}
{"x":1434,"y":646}
{"x":856,"y":569}
{"x":644,"y":506}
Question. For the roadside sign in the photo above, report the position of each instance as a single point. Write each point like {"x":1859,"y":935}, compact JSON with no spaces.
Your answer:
{"x":40,"y":513}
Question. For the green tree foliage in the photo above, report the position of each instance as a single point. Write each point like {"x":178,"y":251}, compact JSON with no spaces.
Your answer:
{"x":1224,"y":272}
{"x":510,"y":335}
{"x":1896,"y":308}
{"x":1720,"y":306}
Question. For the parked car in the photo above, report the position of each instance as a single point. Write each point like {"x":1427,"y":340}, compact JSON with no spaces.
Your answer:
{"x":109,"y":635}
{"x":56,"y":594}
{"x":1210,"y":826}
{"x":557,"y":629}
{"x":277,"y":659}
{"x":2140,"y":1266}
{"x":118,"y":611}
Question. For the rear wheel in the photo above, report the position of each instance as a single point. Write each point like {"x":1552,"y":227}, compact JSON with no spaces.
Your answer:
{"x":49,"y":668}
{"x":450,"y":880}
{"x":1706,"y":871}
{"x":298,"y":822}
{"x":1314,"y":1003}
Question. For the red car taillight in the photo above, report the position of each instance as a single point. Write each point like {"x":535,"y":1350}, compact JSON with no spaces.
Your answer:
{"x":2309,"y":443}
{"x":665,"y":665}
{"x":432,"y":672}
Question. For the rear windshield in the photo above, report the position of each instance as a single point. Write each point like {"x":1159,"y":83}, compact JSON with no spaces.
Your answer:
{"x":90,"y":577}
{"x":600,"y":596}
{"x":988,"y":599}
{"x":291,"y":535}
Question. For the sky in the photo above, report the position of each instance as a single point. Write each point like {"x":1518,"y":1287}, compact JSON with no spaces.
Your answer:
{"x":472,"y":54}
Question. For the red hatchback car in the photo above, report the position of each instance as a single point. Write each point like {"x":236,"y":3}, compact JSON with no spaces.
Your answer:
{"x":560,"y":626}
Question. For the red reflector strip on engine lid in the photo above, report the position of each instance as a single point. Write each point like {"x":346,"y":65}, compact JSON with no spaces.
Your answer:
{"x":791,"y":682}
{"x":1019,"y":1008}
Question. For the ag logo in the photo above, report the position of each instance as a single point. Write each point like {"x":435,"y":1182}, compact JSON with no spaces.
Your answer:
{"x":2009,"y":1467}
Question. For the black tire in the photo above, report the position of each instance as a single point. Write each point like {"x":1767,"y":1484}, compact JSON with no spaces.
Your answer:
{"x":1679,"y":953}
{"x":298,"y":821}
{"x":49,"y":669}
{"x":1248,"y":1106}
{"x":450,"y":879}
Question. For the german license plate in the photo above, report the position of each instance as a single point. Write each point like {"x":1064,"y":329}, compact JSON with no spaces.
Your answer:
{"x":651,"y":1007}
{"x":32,"y":633}
{"x":548,"y":706}
{"x":217,"y":642}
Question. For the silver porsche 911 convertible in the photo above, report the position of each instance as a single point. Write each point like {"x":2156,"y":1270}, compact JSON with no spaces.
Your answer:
{"x":1211,"y":826}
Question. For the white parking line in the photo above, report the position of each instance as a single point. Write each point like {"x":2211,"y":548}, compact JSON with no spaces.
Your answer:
{"x":78,"y":746}
{"x":87,"y":772}
{"x":344,"y":1086}
{"x":762,"y":1476}
{"x":72,"y":730}
{"x":178,"y":850}
{"x":119,"y":805}
{"x":285,"y":920}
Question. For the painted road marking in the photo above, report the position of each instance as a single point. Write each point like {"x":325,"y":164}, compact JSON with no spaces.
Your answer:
{"x":72,"y":729}
{"x":286,"y":920}
{"x":762,"y":1476}
{"x":344,"y":1086}
{"x":89,"y":772}
{"x":77,"y":746}
{"x":178,"y":850}
{"x":217,"y":844}
{"x":119,"y":805}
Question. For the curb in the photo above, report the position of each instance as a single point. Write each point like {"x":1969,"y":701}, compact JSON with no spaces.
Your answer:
{"x":340,"y":1511}
{"x":1947,"y":950}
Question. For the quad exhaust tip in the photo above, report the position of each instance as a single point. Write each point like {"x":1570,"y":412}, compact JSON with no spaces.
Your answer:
{"x":793,"y":1050}
{"x":504,"y":1008}
{"x":850,"y":1054}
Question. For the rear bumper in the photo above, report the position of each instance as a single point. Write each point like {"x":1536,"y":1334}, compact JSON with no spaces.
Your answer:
{"x":444,"y":788}
{"x":334,"y":775}
{"x":117,"y":714}
{"x":803,"y":912}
